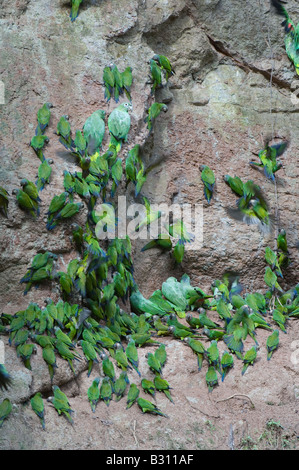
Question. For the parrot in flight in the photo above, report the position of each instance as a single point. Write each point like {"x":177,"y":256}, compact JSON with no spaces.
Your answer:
{"x":5,"y":379}
{"x":291,"y":34}
{"x":268,"y":158}
{"x":252,"y":207}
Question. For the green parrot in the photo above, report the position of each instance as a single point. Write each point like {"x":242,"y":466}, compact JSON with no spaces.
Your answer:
{"x":148,"y":386}
{"x":208,"y":179}
{"x":163,"y":241}
{"x":249,"y":358}
{"x":116,"y":173}
{"x":108,"y":367}
{"x":132,"y":355}
{"x":4,"y":201}
{"x":93,"y":394}
{"x":75,"y":9}
{"x":280,"y":319}
{"x":37,"y":143}
{"x":5,"y":378}
{"x":30,"y":188}
{"x":38,"y":407}
{"x":153,"y":112}
{"x":132,"y":396}
{"x":20,"y":337}
{"x":109,"y":82}
{"x":5,"y":410}
{"x":61,"y":336}
{"x":272,"y":343}
{"x":90,"y":354}
{"x":252,"y":208}
{"x":119,"y":123}
{"x":120,"y":385}
{"x":25,"y":351}
{"x":163,"y":386}
{"x":282,"y":244}
{"x":165,"y":65}
{"x":127,"y":81}
{"x":179,"y":231}
{"x":234,"y":344}
{"x":68,"y":211}
{"x":227,"y":361}
{"x":56,"y":204}
{"x":272,"y":260}
{"x":270,"y":279}
{"x":62,"y":407}
{"x":121,"y":360}
{"x":213,"y":355}
{"x":148,"y":407}
{"x":64,"y":131}
{"x":156,"y":75}
{"x":154,"y":363}
{"x":211,"y":378}
{"x":235,"y":184}
{"x":68,"y":182}
{"x":106,"y":391}
{"x":65,"y":352}
{"x":43,"y":118}
{"x":44,"y":173}
{"x":79,"y":143}
{"x":26,"y":203}
{"x":205,"y":321}
{"x":50,"y":358}
{"x":150,"y":217}
{"x":179,"y":251}
{"x":94,"y":131}
{"x":161,"y":355}
{"x":268,"y":159}
{"x":291,"y":34}
{"x":118,"y":82}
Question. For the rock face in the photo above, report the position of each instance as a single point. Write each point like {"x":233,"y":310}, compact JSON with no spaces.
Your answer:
{"x":233,"y":87}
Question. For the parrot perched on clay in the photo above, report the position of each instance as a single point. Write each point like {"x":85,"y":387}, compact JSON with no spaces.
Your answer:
{"x":4,"y":201}
{"x":5,"y":410}
{"x":94,"y":131}
{"x":249,"y":358}
{"x":119,"y":123}
{"x":291,"y":34}
{"x":93,"y":394}
{"x":43,"y":118}
{"x":132,"y":396}
{"x":153,"y":112}
{"x":208,"y":179}
{"x":38,"y":407}
{"x":75,"y":9}
{"x":149,"y":407}
{"x":272,"y":343}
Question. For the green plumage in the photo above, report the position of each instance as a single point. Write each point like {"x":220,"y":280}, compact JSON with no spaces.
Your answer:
{"x":4,"y":201}
{"x":148,"y":407}
{"x":208,"y":179}
{"x":93,"y":394}
{"x":38,"y":407}
{"x":94,"y":131}
{"x":5,"y":410}
{"x":132,"y":396}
